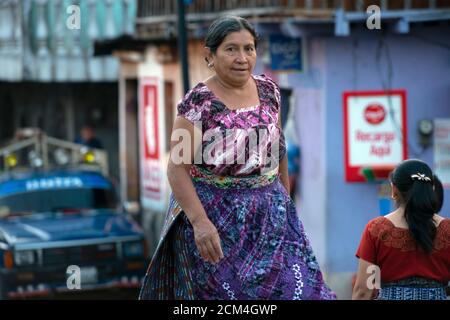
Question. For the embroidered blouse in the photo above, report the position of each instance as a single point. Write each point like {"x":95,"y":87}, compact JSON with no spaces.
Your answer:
{"x":399,"y":257}
{"x":237,"y":142}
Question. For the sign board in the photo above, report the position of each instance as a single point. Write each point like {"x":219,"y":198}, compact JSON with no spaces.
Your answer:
{"x":375,"y":131}
{"x":285,"y":53}
{"x":150,"y":144}
{"x":442,"y":150}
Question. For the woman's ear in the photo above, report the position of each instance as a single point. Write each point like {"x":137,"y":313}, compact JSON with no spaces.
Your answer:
{"x":394,"y":192}
{"x":208,"y":55}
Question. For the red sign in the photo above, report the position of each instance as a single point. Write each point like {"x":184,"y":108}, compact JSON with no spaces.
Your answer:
{"x":151,"y":167}
{"x":150,"y":119}
{"x":375,"y":114}
{"x":375,"y":132}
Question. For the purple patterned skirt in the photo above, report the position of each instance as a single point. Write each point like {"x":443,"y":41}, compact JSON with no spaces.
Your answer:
{"x":267,"y":254}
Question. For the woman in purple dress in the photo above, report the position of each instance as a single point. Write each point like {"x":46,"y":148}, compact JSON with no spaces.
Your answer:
{"x":232,"y":231}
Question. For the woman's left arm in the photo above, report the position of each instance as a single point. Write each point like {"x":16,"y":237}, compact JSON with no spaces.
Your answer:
{"x":364,"y":288}
{"x":284,"y":175}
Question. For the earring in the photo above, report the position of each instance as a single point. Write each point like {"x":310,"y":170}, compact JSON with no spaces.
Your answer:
{"x":210,"y":65}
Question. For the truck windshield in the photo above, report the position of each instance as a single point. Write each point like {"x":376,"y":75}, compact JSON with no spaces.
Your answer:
{"x":59,"y":200}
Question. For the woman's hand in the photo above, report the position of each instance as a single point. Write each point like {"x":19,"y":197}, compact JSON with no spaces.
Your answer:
{"x":207,"y":240}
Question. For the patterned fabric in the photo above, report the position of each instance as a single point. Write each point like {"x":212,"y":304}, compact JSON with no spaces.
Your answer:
{"x":253,"y":181}
{"x":414,"y":288}
{"x":401,"y":239}
{"x":392,"y":249}
{"x":267,"y":254}
{"x":169,"y":276}
{"x":233,"y":131}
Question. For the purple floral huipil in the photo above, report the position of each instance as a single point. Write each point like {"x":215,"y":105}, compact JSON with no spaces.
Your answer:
{"x":267,"y":254}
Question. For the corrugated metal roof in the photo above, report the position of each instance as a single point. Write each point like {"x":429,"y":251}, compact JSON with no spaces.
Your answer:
{"x":53,"y":40}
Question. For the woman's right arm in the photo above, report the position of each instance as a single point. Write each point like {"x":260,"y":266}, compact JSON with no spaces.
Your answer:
{"x":206,"y":235}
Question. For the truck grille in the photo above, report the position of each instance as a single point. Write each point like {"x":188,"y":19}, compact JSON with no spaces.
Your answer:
{"x":79,"y":254}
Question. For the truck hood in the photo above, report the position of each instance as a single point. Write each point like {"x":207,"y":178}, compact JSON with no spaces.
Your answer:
{"x":52,"y":227}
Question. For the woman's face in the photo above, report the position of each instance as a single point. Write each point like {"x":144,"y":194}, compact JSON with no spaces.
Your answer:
{"x":235,"y":58}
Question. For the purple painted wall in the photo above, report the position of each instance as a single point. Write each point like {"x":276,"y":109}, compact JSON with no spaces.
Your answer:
{"x":418,"y":63}
{"x":335,"y":212}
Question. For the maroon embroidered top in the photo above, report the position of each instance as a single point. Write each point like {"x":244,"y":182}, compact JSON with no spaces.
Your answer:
{"x":396,"y":253}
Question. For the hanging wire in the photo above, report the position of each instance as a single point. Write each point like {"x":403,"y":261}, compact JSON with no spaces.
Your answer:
{"x":386,"y":82}
{"x":355,"y":44}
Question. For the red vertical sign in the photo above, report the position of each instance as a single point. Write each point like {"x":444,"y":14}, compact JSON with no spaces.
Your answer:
{"x":150,"y":117}
{"x":151,"y":167}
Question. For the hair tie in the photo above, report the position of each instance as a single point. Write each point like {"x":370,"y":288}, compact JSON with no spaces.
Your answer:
{"x":420,"y":177}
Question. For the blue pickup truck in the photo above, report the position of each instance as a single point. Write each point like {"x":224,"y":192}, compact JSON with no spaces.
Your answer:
{"x":62,"y":230}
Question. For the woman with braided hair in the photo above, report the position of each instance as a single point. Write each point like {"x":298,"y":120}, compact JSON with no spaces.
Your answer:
{"x":406,"y":254}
